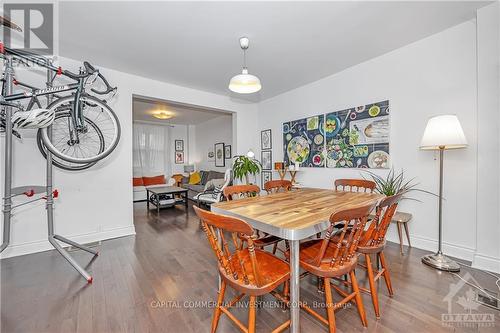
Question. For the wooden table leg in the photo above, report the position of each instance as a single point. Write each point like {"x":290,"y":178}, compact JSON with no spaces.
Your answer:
{"x":294,"y":286}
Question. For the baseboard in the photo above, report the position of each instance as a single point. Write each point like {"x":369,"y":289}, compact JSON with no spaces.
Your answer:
{"x":485,"y":262}
{"x":429,"y":244}
{"x":44,"y":245}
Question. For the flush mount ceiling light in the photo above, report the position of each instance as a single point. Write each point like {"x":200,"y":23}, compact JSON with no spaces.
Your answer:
{"x":244,"y":83}
{"x":162,"y":115}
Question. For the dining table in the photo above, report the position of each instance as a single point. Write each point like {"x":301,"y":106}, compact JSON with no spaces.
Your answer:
{"x":294,"y":216}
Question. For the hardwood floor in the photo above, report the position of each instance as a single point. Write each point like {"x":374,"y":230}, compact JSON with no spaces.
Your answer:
{"x":153,"y":281}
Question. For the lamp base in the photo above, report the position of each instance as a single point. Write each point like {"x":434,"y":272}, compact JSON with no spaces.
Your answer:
{"x":441,"y":262}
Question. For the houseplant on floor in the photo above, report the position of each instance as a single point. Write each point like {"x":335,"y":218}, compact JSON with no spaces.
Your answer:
{"x":243,"y":166}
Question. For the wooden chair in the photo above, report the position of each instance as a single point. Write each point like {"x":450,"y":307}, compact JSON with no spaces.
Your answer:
{"x":354,"y":185}
{"x":236,"y":192}
{"x":275,"y":186}
{"x":373,"y":242}
{"x":249,"y":271}
{"x":333,"y":257}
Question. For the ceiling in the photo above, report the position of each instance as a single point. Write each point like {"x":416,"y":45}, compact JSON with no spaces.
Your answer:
{"x":143,"y":108}
{"x":195,"y":44}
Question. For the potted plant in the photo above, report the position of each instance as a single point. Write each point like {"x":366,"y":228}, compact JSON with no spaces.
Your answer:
{"x":395,"y":183}
{"x":243,"y":166}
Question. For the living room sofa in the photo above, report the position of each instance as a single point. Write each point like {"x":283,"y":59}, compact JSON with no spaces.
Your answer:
{"x":206,"y":176}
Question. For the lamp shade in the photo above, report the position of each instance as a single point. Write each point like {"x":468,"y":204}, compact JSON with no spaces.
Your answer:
{"x":245,"y":83}
{"x":443,"y":132}
{"x":189,"y":168}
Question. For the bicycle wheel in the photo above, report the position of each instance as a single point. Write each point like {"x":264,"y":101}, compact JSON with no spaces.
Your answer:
{"x":82,"y":145}
{"x":56,"y":161}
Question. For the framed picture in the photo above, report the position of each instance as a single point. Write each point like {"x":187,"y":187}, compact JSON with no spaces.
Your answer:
{"x":211,"y":155}
{"x":179,"y":145}
{"x":266,"y":176}
{"x":179,"y":157}
{"x":266,"y":139}
{"x":227,"y":151}
{"x":266,"y":159}
{"x":219,"y":155}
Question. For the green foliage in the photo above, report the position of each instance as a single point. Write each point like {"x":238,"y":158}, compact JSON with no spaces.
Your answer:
{"x":394,"y":183}
{"x":244,"y":166}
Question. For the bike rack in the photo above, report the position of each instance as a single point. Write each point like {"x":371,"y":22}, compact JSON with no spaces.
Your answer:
{"x":29,"y":191}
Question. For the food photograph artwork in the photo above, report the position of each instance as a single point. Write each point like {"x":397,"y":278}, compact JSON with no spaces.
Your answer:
{"x":353,"y":138}
{"x":304,"y":142}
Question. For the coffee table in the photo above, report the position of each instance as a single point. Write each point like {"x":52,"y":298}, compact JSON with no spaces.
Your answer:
{"x":157,"y":191}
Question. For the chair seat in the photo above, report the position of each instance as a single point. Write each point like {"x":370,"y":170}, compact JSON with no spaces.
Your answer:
{"x":308,"y":252}
{"x":401,"y":217}
{"x":273,"y":271}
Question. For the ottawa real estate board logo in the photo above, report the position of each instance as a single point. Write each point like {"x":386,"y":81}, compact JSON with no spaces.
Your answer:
{"x":34,"y":27}
{"x":463,"y":308}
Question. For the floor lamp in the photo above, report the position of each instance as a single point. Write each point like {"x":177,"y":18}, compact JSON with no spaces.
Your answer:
{"x":442,"y":133}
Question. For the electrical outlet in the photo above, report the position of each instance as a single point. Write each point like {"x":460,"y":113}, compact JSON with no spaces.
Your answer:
{"x":486,"y":300}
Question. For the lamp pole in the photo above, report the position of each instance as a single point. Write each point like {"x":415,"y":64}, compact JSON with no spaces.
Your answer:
{"x":439,"y":260}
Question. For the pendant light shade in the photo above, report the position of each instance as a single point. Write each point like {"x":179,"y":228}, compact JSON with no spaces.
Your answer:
{"x":244,"y":83}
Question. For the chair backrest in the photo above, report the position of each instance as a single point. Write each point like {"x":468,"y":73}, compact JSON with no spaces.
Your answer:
{"x":375,"y":234}
{"x":347,"y":239}
{"x":355,"y":185}
{"x":229,"y":254}
{"x":274,"y":186}
{"x":227,"y":181}
{"x":241,"y":191}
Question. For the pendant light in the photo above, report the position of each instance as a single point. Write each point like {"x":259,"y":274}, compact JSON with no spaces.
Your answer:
{"x":244,"y":83}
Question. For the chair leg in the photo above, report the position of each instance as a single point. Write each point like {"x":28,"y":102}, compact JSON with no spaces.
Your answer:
{"x":275,"y":247}
{"x":400,"y":234}
{"x":373,"y":287}
{"x":218,"y":311}
{"x":329,"y":305}
{"x":386,"y":274}
{"x":359,"y":300}
{"x":407,"y":234}
{"x":286,"y":290}
{"x":251,"y":315}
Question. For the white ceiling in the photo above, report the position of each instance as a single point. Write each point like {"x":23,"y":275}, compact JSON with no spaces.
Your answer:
{"x":195,"y":44}
{"x":143,"y":108}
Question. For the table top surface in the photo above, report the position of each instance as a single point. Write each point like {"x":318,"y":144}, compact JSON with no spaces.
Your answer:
{"x":296,"y":214}
{"x":166,"y":189}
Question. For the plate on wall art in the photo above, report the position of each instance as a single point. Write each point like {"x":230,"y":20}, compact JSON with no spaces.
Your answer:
{"x":332,"y":125}
{"x":378,"y":159}
{"x":298,"y":150}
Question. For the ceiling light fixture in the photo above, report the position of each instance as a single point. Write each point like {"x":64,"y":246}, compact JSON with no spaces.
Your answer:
{"x":162,"y":115}
{"x":244,"y":83}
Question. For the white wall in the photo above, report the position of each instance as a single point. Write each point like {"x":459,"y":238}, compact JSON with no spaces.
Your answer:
{"x":488,"y":182}
{"x":209,"y":133}
{"x":97,"y":204}
{"x":436,"y":75}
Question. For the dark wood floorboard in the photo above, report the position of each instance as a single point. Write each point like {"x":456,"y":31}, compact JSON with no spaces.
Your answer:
{"x":151,"y":283}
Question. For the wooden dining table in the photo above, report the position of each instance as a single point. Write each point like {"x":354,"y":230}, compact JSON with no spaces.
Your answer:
{"x":294,"y":215}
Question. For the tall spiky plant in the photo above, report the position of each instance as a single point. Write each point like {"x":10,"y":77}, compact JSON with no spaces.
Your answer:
{"x":395,"y":183}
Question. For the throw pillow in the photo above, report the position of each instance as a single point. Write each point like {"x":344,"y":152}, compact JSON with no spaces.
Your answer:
{"x":204,"y":177}
{"x":157,"y":180}
{"x":194,"y":178}
{"x":137,"y":181}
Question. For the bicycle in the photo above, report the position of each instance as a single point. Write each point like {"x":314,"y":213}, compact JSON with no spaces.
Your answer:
{"x":84,"y":129}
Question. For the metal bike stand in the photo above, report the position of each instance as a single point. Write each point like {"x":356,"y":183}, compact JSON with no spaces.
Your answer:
{"x":9,"y":191}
